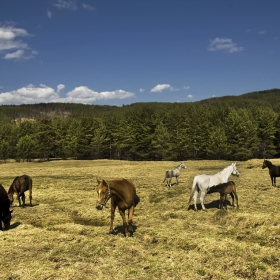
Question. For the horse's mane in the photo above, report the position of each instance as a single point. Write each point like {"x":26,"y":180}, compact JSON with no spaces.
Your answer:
{"x":268,"y":163}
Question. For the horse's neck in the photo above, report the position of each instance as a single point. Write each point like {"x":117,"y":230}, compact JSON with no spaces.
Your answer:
{"x":115,"y":192}
{"x":224,"y":174}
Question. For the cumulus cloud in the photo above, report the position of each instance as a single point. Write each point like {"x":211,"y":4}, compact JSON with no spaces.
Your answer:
{"x":60,"y":87}
{"x":11,"y":46}
{"x":45,"y":94}
{"x":141,"y":90}
{"x":224,"y":44}
{"x":190,"y":96}
{"x":186,"y":87}
{"x":160,"y":88}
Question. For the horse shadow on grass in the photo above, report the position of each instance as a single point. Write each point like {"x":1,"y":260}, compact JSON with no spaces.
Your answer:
{"x":15,"y":225}
{"x":120,"y":230}
{"x":26,"y":205}
{"x":213,"y":204}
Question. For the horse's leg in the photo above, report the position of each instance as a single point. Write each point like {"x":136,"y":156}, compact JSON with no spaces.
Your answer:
{"x":113,"y":208}
{"x":30,"y":197}
{"x":194,"y":199}
{"x":23,"y":199}
{"x":236,"y":198}
{"x":232,"y":197}
{"x":202,"y":196}
{"x":177,"y":177}
{"x":225,"y":201}
{"x":124,"y":221}
{"x":130,"y":216}
{"x":18,"y":197}
{"x":271,"y":177}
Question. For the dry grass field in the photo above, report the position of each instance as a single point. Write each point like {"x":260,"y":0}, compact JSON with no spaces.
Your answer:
{"x":63,"y":236}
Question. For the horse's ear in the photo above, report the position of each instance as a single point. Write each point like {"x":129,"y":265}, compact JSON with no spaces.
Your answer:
{"x":98,"y":181}
{"x":104,"y":183}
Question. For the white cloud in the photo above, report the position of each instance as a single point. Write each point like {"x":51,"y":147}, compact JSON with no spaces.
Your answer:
{"x":141,"y":90}
{"x":87,"y":7}
{"x":186,"y":87}
{"x":60,"y":87}
{"x":262,"y":32}
{"x":160,"y":88}
{"x":45,"y":94}
{"x":190,"y":96}
{"x":224,"y":44}
{"x":66,"y":4}
{"x":49,"y":14}
{"x":15,"y":55}
{"x":9,"y":42}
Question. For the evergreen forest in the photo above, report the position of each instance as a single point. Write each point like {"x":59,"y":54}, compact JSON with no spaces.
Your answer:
{"x":231,"y":128}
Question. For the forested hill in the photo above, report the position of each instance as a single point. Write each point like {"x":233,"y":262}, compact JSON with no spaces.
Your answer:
{"x":269,"y":98}
{"x":231,"y":127}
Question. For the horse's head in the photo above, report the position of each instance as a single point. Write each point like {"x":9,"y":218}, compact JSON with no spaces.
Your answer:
{"x":7,"y":220}
{"x":234,"y":170}
{"x":103,"y":194}
{"x":266,"y":163}
{"x":183,"y":165}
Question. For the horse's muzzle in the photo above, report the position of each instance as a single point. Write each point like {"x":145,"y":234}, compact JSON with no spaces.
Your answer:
{"x":99,"y":206}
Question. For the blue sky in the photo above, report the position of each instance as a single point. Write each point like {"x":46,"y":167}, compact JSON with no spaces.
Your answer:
{"x":119,"y":52}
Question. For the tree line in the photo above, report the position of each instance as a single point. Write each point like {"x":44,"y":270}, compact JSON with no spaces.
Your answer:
{"x":145,"y":131}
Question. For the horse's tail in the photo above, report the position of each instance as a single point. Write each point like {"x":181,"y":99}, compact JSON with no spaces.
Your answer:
{"x":165,"y":176}
{"x":192,"y":190}
{"x":27,"y":184}
{"x":136,"y":199}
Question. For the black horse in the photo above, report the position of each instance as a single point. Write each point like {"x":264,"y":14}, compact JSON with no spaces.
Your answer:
{"x":274,"y":171}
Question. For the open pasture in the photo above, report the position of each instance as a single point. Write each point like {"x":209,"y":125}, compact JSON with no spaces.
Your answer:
{"x":63,"y":236}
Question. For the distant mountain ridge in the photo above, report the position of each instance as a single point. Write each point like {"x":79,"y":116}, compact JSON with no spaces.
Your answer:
{"x":270,"y":98}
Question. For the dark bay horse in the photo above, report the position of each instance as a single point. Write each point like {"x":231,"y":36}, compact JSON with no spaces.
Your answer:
{"x":173,"y":173}
{"x":274,"y":171}
{"x":123,"y":195}
{"x":5,"y":213}
{"x":224,"y":189}
{"x":19,"y":186}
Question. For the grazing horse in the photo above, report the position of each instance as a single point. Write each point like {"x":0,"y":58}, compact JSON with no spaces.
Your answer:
{"x":173,"y":173}
{"x":225,"y":189}
{"x":201,"y":183}
{"x":274,"y":171}
{"x":5,"y":213}
{"x":123,"y":195}
{"x":19,"y":186}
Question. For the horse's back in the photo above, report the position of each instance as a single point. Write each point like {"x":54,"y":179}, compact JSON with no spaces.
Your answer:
{"x":123,"y":185}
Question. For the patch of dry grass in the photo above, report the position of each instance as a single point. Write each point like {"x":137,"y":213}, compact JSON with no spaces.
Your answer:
{"x":63,"y":236}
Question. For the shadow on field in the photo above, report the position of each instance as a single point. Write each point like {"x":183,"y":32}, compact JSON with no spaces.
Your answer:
{"x":119,"y":229}
{"x":15,"y":225}
{"x":210,"y":205}
{"x":26,"y":205}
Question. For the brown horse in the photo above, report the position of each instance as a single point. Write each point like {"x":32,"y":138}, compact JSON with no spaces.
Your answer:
{"x":123,"y":195}
{"x":19,"y":186}
{"x":274,"y":171}
{"x":225,"y":189}
{"x":5,"y":212}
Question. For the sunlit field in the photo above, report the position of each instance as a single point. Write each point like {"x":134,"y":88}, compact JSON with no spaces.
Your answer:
{"x":63,"y":236}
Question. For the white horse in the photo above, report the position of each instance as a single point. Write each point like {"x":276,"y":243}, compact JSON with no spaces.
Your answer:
{"x":203,"y":182}
{"x":173,"y":173}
